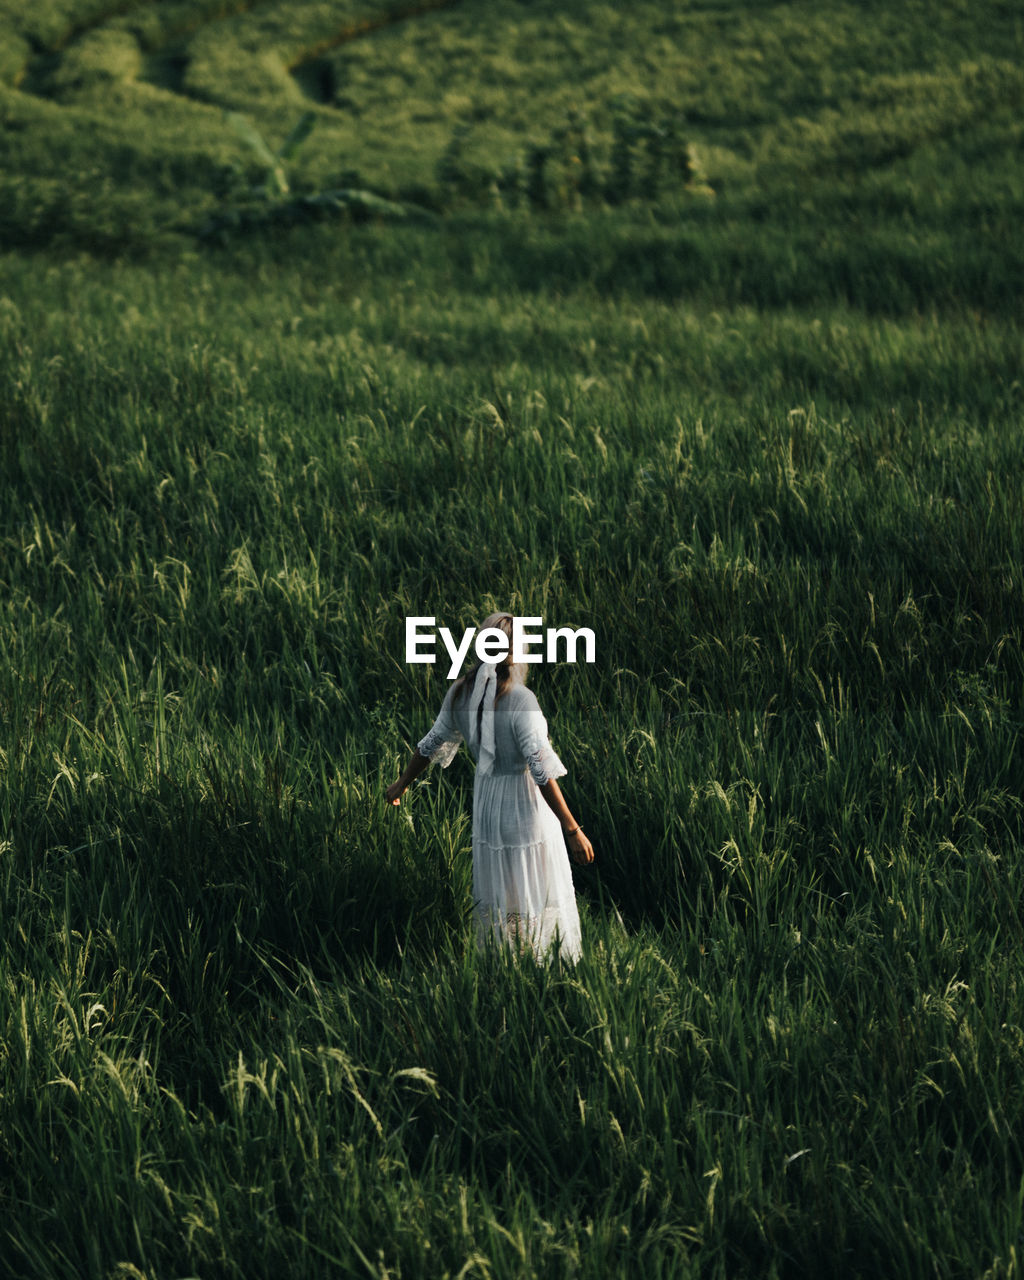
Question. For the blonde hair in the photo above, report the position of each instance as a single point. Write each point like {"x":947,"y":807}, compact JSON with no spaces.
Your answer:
{"x":507,"y":671}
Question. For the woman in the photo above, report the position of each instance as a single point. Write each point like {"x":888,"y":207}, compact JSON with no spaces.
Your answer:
{"x":522,"y":884}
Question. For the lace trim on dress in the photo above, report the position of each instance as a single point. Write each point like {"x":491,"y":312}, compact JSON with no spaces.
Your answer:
{"x":542,"y":933}
{"x":439,"y":749}
{"x":543,"y":763}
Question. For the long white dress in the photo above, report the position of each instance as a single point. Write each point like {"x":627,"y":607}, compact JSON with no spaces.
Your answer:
{"x":522,"y":882}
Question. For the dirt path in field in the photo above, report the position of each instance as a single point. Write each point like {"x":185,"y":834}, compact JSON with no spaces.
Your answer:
{"x":366,"y":26}
{"x":312,"y":71}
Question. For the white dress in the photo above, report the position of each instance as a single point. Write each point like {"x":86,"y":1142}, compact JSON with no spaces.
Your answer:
{"x":522,"y":882}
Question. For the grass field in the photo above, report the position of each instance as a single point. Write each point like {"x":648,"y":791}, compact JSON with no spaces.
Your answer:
{"x":697,"y":325}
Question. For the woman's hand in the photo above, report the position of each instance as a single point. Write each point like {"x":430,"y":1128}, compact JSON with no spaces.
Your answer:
{"x":580,"y":847}
{"x":577,"y":843}
{"x":408,"y":775}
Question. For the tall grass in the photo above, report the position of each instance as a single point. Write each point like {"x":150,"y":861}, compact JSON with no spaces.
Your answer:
{"x":766,"y":446}
{"x":244,"y":1024}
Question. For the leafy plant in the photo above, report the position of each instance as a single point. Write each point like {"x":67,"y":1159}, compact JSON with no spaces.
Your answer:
{"x":274,"y":201}
{"x":276,"y":180}
{"x":648,"y":156}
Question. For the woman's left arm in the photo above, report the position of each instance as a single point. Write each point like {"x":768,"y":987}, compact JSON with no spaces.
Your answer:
{"x":440,"y":745}
{"x":409,"y":774}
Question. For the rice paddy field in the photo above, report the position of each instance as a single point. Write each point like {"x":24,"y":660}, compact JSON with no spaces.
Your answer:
{"x":696,"y":324}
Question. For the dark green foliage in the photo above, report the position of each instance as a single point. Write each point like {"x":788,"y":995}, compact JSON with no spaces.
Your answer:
{"x":647,"y":159}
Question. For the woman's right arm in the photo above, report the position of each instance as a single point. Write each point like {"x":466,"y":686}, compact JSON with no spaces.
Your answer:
{"x":531,"y":733}
{"x":579,"y":846}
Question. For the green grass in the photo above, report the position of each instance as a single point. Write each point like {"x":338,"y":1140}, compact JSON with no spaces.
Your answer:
{"x":766,"y":444}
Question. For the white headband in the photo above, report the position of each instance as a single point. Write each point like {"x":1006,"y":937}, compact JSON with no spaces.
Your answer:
{"x":481,"y":725}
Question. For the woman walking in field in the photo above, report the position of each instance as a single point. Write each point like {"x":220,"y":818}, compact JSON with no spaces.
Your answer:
{"x":522,"y":883}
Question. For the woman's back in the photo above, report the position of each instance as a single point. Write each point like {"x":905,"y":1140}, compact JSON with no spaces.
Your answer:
{"x":520,"y":732}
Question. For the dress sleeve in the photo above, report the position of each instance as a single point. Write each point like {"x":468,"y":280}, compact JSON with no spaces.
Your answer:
{"x":442,"y":742}
{"x":531,"y":732}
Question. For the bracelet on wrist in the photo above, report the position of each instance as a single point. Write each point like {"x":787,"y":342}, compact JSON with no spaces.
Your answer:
{"x":573,"y":831}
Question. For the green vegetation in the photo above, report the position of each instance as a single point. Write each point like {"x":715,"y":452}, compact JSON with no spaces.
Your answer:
{"x":732,"y":375}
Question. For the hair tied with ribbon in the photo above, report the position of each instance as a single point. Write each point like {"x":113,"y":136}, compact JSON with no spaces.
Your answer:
{"x":481,"y":716}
